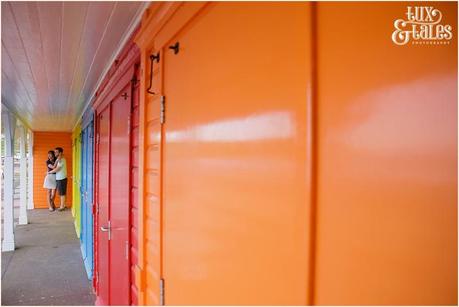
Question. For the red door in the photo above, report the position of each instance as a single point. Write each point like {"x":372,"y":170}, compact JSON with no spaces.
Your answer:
{"x":119,"y":198}
{"x":113,"y":197}
{"x":103,"y":201}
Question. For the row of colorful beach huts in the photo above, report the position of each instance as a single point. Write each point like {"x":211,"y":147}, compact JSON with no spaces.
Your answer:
{"x":266,"y":153}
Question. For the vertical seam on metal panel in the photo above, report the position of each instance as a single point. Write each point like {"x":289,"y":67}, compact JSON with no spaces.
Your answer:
{"x":312,"y":134}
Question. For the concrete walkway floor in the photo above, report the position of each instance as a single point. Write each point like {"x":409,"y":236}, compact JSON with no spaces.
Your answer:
{"x":46,"y":268}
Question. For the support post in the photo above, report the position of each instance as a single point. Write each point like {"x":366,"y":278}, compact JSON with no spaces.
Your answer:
{"x":30,"y":204}
{"x":23,"y":177}
{"x":9,"y":125}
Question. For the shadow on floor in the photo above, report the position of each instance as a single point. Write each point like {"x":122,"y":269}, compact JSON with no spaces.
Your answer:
{"x":46,"y":268}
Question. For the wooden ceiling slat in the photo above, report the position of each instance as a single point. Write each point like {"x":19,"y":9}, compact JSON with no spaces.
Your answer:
{"x":54,"y":54}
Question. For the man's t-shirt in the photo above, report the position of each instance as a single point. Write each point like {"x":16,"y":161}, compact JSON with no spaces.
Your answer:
{"x":62,"y":172}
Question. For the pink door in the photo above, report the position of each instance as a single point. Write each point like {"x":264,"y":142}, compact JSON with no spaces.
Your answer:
{"x":119,"y":198}
{"x":103,"y":201}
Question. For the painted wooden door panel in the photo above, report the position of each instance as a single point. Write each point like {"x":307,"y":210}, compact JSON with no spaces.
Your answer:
{"x":116,"y":94}
{"x":119,"y":198}
{"x":297,"y":167}
{"x":235,"y":171}
{"x":134,"y":190}
{"x":90,"y":203}
{"x":83,"y":196}
{"x":387,"y":170}
{"x":152,"y":182}
{"x":44,"y":142}
{"x":76,"y":178}
{"x":87,"y":198}
{"x":103,"y":200}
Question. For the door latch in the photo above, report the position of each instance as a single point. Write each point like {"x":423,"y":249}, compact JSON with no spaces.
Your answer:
{"x":106,"y":229}
{"x":175,"y":47}
{"x":152,"y":59}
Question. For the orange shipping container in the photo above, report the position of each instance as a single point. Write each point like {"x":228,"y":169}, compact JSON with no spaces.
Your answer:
{"x":44,"y":142}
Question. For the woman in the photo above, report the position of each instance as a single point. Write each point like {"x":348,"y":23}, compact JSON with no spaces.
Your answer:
{"x":50,"y":180}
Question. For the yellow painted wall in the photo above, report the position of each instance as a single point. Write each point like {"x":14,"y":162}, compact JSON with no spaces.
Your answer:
{"x":76,"y":151}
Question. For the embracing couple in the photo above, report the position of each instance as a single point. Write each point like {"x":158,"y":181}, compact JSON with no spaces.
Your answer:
{"x":56,"y":178}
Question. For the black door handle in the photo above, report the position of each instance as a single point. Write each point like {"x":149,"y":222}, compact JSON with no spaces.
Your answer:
{"x":152,"y":59}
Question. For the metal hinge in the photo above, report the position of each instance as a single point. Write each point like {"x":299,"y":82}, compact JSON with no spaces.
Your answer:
{"x":161,"y":292}
{"x":98,"y":138}
{"x":97,"y":277}
{"x":163,"y":110}
{"x":97,"y":208}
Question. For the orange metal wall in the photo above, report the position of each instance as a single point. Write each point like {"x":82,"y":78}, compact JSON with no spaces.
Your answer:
{"x":387,"y":160}
{"x":305,"y":158}
{"x":42,"y":143}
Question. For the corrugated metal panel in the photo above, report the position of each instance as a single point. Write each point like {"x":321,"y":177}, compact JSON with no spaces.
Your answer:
{"x":43,"y":142}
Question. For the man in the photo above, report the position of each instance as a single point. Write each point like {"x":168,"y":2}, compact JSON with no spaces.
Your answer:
{"x":61,"y":176}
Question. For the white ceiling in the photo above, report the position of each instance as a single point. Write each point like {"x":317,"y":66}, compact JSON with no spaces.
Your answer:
{"x":55,"y":53}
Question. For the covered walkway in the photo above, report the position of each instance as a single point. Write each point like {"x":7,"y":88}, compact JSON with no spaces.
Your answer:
{"x":229,"y":153}
{"x":46,"y":267}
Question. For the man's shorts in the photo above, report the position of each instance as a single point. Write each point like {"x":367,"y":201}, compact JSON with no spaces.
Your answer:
{"x":61,"y":186}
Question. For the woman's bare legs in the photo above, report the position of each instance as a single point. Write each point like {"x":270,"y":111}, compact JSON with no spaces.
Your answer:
{"x":53,"y":196}
{"x":48,"y":197}
{"x":51,"y":193}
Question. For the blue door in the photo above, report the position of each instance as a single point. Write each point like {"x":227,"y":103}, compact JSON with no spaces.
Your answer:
{"x":83,"y":190}
{"x":86,"y":238}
